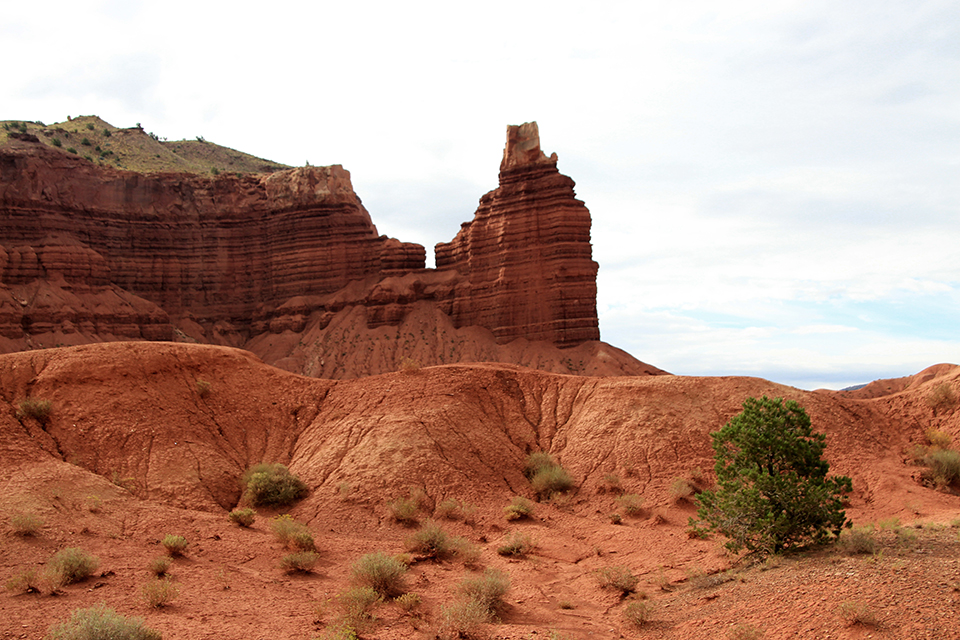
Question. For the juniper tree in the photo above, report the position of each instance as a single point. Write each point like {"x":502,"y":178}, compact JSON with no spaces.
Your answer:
{"x":773,"y":493}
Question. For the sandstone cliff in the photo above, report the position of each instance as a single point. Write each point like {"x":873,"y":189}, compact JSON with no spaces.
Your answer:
{"x":290,"y":265}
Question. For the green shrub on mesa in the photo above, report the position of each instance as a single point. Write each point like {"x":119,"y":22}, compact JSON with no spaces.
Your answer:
{"x":773,"y":493}
{"x":271,"y":484}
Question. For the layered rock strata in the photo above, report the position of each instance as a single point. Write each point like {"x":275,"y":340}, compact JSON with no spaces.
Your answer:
{"x":526,"y":255}
{"x":90,"y":253}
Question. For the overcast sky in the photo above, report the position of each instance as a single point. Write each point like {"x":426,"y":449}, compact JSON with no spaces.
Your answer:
{"x":774,"y":185}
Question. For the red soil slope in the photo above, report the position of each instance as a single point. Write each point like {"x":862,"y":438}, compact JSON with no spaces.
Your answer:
{"x":133,"y":412}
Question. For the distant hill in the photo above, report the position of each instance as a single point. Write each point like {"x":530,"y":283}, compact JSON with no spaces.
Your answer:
{"x":134,"y":149}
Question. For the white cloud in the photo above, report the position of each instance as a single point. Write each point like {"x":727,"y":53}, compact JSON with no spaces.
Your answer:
{"x":761,"y":174}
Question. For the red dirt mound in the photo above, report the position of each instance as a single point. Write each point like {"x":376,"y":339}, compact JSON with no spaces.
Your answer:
{"x":173,"y":426}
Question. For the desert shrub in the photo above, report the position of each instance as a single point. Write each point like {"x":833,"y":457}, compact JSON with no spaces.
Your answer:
{"x":175,"y":545}
{"x":382,"y":573}
{"x":159,"y":566}
{"x":545,"y":475}
{"x":744,"y":631}
{"x":26,"y":524}
{"x":403,"y":510}
{"x":243,"y":517}
{"x":618,"y":578}
{"x":35,"y":408}
{"x":637,"y":613}
{"x":462,"y":619}
{"x":56,"y":142}
{"x":858,"y":540}
{"x":272,"y":484}
{"x":204,"y":388}
{"x":942,"y":398}
{"x":293,"y":534}
{"x":486,"y":589}
{"x":27,"y":581}
{"x":938,"y":438}
{"x":943,"y":466}
{"x":453,"y":509}
{"x":630,"y":503}
{"x":550,"y":481}
{"x":515,"y":544}
{"x":682,"y":489}
{"x":616,"y":518}
{"x":299,"y":561}
{"x":159,"y":593}
{"x":409,"y":365}
{"x":338,"y":631}
{"x":72,"y":150}
{"x":773,"y":493}
{"x":101,"y":623}
{"x":518,"y":508}
{"x":107,"y":133}
{"x":431,"y":541}
{"x":356,"y":605}
{"x":854,"y":612}
{"x":72,"y":565}
{"x":85,"y":142}
{"x":408,"y":602}
{"x":611,"y":483}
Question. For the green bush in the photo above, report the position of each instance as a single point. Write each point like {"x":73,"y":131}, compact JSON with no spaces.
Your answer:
{"x":518,"y":508}
{"x":272,"y":484}
{"x":159,"y":566}
{"x":35,"y":408}
{"x":101,"y":623}
{"x":56,"y":142}
{"x":299,"y":561}
{"x":432,"y":541}
{"x":356,"y":605}
{"x":462,"y":619}
{"x":545,"y":475}
{"x":175,"y":545}
{"x":404,"y":510}
{"x":381,"y":572}
{"x":243,"y":517}
{"x":72,"y":565}
{"x":773,"y":493}
{"x":858,"y":540}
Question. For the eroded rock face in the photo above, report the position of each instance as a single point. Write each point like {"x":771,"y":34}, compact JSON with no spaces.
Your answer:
{"x":526,"y":255}
{"x":268,"y":261}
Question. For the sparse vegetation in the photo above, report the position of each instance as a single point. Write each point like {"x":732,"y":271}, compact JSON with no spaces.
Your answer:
{"x":356,"y":605}
{"x":409,"y":602}
{"x":943,"y":466}
{"x":618,"y":578}
{"x":453,"y":509}
{"x":545,"y":475}
{"x":293,"y":534}
{"x":381,"y":572}
{"x":204,"y":388}
{"x":432,"y":541}
{"x":487,"y":589}
{"x":611,"y":483}
{"x":299,"y":561}
{"x":516,"y":544}
{"x":773,"y":491}
{"x":857,"y":613}
{"x":404,"y":510}
{"x":272,"y":484}
{"x":160,"y":592}
{"x":858,"y":540}
{"x":159,"y":566}
{"x":175,"y":545}
{"x":744,"y":631}
{"x":462,"y":619}
{"x":682,"y":489}
{"x":26,"y":581}
{"x":942,"y":398}
{"x":26,"y":524}
{"x":101,"y":623}
{"x":72,"y":565}
{"x":243,"y":517}
{"x":518,"y":508}
{"x":630,"y":503}
{"x":637,"y":612}
{"x":35,"y":408}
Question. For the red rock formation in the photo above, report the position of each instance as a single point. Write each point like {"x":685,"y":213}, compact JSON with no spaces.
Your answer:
{"x":268,"y":261}
{"x":526,"y":256}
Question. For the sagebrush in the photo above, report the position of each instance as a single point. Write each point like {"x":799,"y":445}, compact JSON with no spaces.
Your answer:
{"x":272,"y":484}
{"x":101,"y":623}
